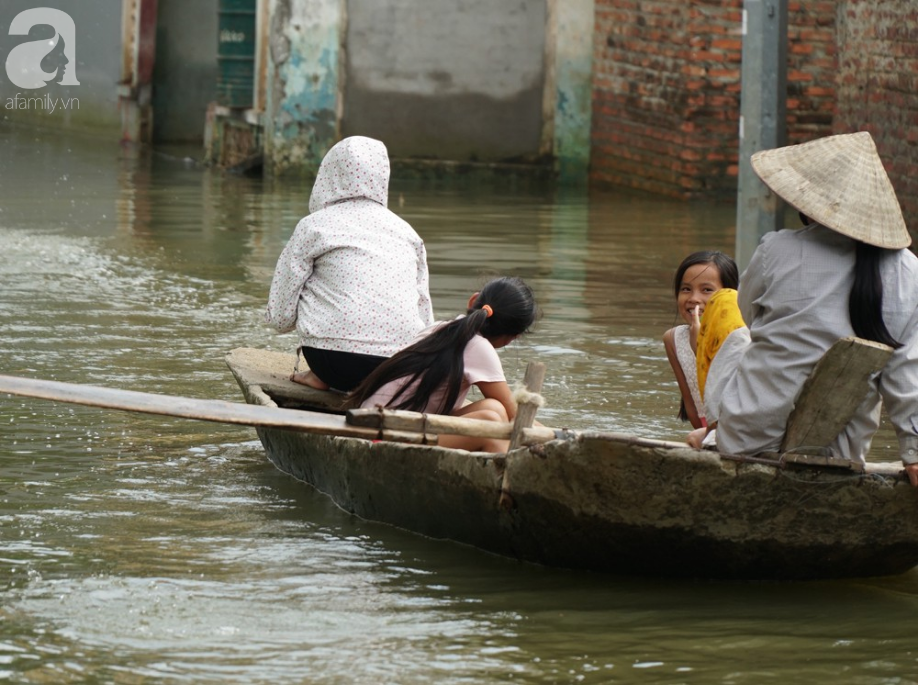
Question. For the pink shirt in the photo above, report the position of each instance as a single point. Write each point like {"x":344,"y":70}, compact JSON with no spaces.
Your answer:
{"x":482,"y":365}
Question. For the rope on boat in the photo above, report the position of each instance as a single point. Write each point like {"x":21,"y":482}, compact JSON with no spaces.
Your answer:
{"x":521,"y":395}
{"x":380,"y":409}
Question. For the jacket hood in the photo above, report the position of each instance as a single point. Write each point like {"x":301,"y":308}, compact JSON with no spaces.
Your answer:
{"x":356,"y":167}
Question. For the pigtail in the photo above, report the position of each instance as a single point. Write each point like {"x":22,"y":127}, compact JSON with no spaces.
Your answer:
{"x":442,"y":361}
{"x":505,"y":306}
{"x":431,"y":362}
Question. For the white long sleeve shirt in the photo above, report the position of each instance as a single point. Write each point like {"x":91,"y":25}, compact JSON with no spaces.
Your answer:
{"x":353,"y":277}
{"x":794,"y":298}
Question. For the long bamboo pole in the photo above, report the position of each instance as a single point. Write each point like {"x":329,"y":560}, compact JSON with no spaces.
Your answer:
{"x":253,"y":415}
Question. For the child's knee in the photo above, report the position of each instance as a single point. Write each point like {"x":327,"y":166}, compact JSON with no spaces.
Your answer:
{"x":495,"y":407}
{"x":490,"y":415}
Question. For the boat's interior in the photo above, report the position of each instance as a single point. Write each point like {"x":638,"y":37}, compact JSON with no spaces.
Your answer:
{"x":271,"y":372}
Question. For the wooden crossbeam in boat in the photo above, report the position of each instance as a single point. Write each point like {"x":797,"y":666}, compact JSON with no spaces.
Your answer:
{"x":833,"y":392}
{"x":442,"y":424}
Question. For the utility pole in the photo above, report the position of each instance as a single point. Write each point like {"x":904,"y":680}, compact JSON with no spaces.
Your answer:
{"x":763,"y":119}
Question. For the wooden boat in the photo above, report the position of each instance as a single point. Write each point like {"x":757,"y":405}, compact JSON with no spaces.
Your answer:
{"x":605,"y":502}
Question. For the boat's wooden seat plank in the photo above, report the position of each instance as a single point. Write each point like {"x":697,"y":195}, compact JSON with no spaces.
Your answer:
{"x":832,"y":393}
{"x":271,"y":371}
{"x":438,"y":424}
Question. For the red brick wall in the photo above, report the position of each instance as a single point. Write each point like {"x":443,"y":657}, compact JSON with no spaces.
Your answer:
{"x":665,"y":99}
{"x":878,"y":87}
{"x":811,"y":69}
{"x":666,"y":93}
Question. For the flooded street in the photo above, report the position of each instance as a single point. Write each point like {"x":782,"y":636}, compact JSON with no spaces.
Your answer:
{"x":140,"y":549}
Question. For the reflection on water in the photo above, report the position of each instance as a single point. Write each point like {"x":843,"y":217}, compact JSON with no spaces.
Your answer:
{"x":135,"y":548}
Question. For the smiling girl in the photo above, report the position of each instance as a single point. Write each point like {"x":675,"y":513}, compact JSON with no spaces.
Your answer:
{"x":698,"y":277}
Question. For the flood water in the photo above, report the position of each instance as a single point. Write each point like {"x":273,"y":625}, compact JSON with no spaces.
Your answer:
{"x":140,"y":549}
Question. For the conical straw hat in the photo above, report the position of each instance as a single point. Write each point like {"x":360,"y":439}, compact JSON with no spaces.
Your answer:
{"x":839,"y":182}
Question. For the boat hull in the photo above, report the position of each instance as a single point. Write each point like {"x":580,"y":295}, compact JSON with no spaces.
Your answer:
{"x":604,"y":503}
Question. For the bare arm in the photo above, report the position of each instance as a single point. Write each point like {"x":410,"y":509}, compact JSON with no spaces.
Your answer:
{"x":500,"y":391}
{"x":669,"y":343}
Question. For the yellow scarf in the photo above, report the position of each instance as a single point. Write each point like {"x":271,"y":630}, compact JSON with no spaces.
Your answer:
{"x":721,"y":317}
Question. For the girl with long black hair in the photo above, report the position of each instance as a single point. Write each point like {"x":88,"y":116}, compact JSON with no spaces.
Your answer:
{"x":697,"y":278}
{"x":434,"y":374}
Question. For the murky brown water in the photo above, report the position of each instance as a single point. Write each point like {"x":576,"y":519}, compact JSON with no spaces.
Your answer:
{"x":138,"y":549}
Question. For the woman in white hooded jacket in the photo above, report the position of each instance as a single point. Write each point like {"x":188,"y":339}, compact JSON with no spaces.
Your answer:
{"x":353,"y":278}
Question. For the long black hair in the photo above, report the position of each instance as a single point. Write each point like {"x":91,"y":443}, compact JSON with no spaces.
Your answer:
{"x":729,"y":278}
{"x":437,"y":359}
{"x":865,"y":301}
{"x":729,"y":273}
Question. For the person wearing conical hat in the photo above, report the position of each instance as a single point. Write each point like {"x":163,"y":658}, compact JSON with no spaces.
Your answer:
{"x":846,"y":272}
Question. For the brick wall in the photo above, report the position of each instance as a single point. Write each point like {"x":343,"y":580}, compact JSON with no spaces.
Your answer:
{"x":878,"y":87}
{"x":666,"y":92}
{"x":811,"y":69}
{"x":666,"y":76}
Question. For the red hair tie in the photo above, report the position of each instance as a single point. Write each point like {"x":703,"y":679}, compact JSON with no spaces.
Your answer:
{"x":486,"y":308}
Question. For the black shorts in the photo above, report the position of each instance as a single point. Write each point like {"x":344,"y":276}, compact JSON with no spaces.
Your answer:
{"x":341,"y":370}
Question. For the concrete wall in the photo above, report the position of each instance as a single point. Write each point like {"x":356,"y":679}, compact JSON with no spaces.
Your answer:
{"x":91,"y":104}
{"x":302,"y":104}
{"x":185,"y":75}
{"x":569,"y":92}
{"x":445,"y":79}
{"x":463,"y":81}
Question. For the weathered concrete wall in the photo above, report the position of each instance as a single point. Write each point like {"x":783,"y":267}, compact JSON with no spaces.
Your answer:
{"x":446,"y":79}
{"x":878,"y":87}
{"x":569,"y":85}
{"x":185,"y":75}
{"x":303,"y":73}
{"x":469,"y":81}
{"x":97,"y":66}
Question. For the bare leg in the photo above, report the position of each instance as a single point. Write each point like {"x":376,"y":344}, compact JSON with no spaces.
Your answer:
{"x":310,"y":379}
{"x":486,"y":404}
{"x":485,"y":410}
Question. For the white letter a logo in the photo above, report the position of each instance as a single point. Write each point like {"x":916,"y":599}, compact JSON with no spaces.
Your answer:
{"x":24,"y":63}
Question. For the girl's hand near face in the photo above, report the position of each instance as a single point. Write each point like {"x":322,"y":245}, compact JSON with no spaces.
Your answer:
{"x":694,"y":328}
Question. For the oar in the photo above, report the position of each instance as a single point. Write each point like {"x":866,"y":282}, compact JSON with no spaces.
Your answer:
{"x":396,"y":426}
{"x":182,"y":407}
{"x":234,"y":412}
